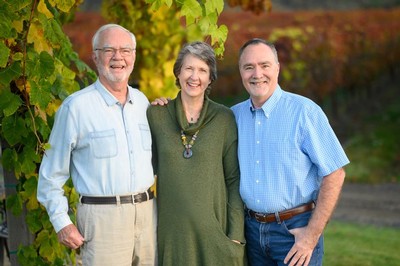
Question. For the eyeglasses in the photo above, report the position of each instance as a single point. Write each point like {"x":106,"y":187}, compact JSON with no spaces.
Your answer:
{"x":110,"y":51}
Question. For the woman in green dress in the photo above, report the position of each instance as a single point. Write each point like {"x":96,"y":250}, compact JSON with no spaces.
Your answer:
{"x":200,"y":212}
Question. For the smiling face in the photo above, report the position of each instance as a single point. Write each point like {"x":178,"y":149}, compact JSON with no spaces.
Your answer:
{"x":114,"y":67}
{"x":194,"y":77}
{"x":259,"y":70}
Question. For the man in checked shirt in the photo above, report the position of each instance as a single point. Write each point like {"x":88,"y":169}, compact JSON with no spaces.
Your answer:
{"x":291,"y":165}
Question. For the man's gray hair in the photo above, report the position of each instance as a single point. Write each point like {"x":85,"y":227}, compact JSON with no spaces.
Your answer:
{"x":95,"y":39}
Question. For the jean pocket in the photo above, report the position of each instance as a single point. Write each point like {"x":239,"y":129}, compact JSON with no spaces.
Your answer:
{"x":298,"y":221}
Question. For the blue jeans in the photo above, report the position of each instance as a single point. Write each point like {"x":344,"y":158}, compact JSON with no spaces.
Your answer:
{"x":269,"y":243}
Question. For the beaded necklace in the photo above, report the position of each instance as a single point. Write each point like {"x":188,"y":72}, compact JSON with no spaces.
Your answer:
{"x":187,"y":152}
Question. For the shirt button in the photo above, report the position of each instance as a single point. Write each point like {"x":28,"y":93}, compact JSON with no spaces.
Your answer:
{"x":258,"y":201}
{"x":258,"y":142}
{"x":259,"y":122}
{"x":257,"y":181}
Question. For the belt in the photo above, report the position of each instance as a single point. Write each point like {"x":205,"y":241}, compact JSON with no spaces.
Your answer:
{"x":284,"y":215}
{"x":130,"y":199}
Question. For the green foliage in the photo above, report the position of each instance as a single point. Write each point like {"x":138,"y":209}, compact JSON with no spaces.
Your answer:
{"x":321,"y":52}
{"x":38,"y":69}
{"x":160,"y":33}
{"x":374,"y":149}
{"x":295,"y":70}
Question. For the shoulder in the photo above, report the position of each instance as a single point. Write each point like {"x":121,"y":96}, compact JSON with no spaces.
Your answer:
{"x":302,"y":111}
{"x":158,"y":113}
{"x":156,"y":109}
{"x":224,"y":118}
{"x":240,"y":105}
{"x":80,"y":97}
{"x":221,"y":109}
{"x":298,"y":102}
{"x":138,"y":95}
{"x":241,"y":108}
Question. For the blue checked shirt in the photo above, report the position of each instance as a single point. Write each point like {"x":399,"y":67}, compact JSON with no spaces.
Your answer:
{"x":285,"y":149}
{"x":105,"y":147}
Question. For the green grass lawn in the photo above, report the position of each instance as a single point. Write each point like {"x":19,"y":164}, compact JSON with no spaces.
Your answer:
{"x":361,"y":245}
{"x":374,"y":153}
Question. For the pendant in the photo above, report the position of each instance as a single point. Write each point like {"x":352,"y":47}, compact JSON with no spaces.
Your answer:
{"x":187,"y":153}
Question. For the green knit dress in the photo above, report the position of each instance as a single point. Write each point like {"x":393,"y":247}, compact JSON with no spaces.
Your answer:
{"x":199,"y":205}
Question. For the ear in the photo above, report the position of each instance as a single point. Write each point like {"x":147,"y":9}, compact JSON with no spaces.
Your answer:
{"x":94,"y":57}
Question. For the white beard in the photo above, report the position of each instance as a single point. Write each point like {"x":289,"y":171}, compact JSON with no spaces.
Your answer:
{"x":111,"y":77}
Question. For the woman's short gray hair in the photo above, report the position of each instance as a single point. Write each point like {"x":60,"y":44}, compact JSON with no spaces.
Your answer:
{"x":204,"y":52}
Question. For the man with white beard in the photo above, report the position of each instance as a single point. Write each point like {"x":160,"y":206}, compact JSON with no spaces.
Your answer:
{"x":101,"y":139}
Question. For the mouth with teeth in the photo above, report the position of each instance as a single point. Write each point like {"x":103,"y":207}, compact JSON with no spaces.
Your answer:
{"x":192,"y":85}
{"x":258,"y":83}
{"x":117,"y":67}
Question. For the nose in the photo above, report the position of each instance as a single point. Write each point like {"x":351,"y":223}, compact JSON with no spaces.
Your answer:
{"x":194,"y":74}
{"x":258,"y":73}
{"x":117,"y":54}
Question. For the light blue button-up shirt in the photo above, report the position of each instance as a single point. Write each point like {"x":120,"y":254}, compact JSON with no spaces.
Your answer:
{"x":285,"y":149}
{"x":105,"y":147}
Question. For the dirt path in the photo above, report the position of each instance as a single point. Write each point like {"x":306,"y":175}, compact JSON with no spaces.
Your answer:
{"x":377,"y":205}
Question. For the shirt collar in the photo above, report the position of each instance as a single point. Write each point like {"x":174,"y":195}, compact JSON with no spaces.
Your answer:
{"x":108,"y":97}
{"x":270,"y":104}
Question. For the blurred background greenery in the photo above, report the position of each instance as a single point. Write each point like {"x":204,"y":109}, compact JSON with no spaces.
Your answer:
{"x":345,"y":56}
{"x":342,"y":54}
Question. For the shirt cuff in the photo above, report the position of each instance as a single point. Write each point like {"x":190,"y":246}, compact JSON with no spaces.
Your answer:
{"x":61,"y":222}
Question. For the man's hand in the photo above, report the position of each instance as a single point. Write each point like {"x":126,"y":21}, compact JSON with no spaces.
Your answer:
{"x":306,"y":238}
{"x":161,"y":101}
{"x":304,"y":244}
{"x":70,"y":237}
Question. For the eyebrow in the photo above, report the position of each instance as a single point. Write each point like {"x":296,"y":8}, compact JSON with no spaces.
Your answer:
{"x":258,"y":63}
{"x":248,"y":64}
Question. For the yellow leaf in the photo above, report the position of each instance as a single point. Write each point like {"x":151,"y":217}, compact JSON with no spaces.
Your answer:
{"x":36,"y":36}
{"x":154,"y":186}
{"x":63,"y":5}
{"x":18,"y":56}
{"x":32,"y":203}
{"x":42,"y":8}
{"x":18,"y":25}
{"x":53,"y":106}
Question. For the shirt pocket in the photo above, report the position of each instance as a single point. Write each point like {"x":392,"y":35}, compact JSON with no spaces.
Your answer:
{"x":146,"y":136}
{"x":104,"y":144}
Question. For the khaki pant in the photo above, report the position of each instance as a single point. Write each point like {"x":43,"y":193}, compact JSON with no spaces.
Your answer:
{"x":120,"y":235}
